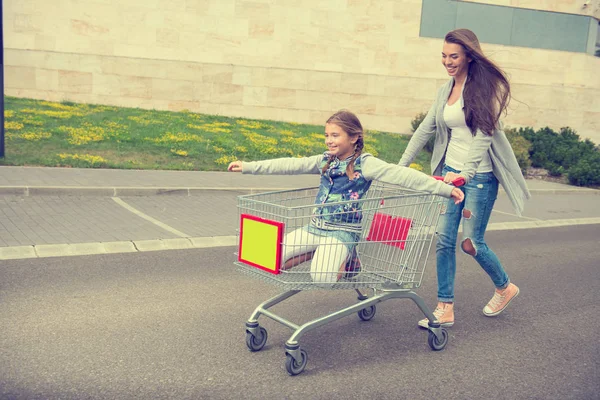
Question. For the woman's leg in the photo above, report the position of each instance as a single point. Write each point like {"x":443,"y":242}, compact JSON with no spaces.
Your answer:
{"x":447,"y":232}
{"x":331,"y":255}
{"x":483,"y":190}
{"x":480,"y":196}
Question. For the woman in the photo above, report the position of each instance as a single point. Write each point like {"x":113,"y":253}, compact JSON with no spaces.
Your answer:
{"x":470,"y":143}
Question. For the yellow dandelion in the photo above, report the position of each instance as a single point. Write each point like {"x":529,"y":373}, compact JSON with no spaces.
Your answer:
{"x":59,"y":106}
{"x":251,"y":124}
{"x":370,"y":149}
{"x":87,"y":158}
{"x":60,"y":114}
{"x":115,"y":126}
{"x":13,"y":125}
{"x":181,"y":153}
{"x":8,"y":113}
{"x":31,"y":121}
{"x":35,"y":136}
{"x":416,"y":166}
{"x":258,"y":140}
{"x":169,"y":137}
{"x":225,"y":160}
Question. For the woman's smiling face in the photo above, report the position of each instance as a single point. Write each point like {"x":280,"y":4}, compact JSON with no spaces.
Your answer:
{"x":455,"y":60}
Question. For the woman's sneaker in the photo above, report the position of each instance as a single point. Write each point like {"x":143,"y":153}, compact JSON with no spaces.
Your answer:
{"x":444,"y":314}
{"x":501,"y":299}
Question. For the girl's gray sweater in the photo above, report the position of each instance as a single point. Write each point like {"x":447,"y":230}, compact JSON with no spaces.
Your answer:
{"x":504,"y":163}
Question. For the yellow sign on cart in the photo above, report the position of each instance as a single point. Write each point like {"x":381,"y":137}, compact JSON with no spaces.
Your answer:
{"x":260,"y":242}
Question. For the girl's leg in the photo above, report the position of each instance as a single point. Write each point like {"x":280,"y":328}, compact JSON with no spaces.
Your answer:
{"x":331,"y":255}
{"x":298,"y":247}
{"x":480,"y":196}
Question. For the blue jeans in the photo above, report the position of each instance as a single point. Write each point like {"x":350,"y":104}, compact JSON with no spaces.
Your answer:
{"x":475,"y":211}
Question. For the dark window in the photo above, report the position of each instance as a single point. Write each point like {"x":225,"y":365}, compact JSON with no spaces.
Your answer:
{"x":512,"y":26}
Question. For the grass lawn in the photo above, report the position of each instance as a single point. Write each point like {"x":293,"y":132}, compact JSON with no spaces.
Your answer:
{"x":67,"y":134}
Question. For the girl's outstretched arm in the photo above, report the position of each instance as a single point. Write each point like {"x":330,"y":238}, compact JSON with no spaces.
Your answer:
{"x":458,"y":195}
{"x":235,"y":166}
{"x":374,"y":168}
{"x":278,"y":166}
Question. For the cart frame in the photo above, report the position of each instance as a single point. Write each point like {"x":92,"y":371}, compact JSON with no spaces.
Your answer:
{"x":397,"y":282}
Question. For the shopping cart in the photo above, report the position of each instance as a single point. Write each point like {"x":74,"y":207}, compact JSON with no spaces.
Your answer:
{"x":388,"y":262}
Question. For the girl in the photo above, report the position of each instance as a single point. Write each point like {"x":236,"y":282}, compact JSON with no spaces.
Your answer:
{"x":469,"y":143}
{"x":346,"y":174}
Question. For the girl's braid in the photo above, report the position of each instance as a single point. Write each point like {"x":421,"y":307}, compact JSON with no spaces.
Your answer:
{"x":358,"y":148}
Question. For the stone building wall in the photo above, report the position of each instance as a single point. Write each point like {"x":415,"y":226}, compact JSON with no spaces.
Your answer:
{"x":297,"y":60}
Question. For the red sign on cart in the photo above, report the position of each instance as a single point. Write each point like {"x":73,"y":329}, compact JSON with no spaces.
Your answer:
{"x":260,"y":243}
{"x":392,"y":231}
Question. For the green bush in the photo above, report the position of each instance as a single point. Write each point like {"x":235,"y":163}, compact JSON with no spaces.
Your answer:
{"x":551,"y":150}
{"x":415,"y":125}
{"x":586,"y":171}
{"x":521,"y":147}
{"x":564,"y":152}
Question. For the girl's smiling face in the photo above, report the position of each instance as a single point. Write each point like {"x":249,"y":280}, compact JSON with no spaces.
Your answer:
{"x":338,"y":142}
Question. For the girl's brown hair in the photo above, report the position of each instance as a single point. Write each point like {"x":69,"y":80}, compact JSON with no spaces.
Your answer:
{"x":352,"y":126}
{"x":487,"y":90}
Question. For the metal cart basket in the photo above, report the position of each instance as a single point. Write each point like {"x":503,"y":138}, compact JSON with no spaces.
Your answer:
{"x":393,"y":230}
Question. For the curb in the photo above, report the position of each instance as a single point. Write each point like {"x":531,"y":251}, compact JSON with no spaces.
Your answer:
{"x":188,"y":191}
{"x":121,"y":191}
{"x":133,"y":246}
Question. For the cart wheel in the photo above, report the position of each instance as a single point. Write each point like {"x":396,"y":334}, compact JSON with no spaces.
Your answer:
{"x":294,"y":367}
{"x":434,"y":343}
{"x":256,"y":343}
{"x":367,"y":314}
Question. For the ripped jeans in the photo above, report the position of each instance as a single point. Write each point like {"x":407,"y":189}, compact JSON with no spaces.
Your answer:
{"x":475,"y":211}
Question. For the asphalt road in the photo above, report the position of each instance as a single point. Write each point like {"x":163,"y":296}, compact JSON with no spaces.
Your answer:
{"x":170,"y":324}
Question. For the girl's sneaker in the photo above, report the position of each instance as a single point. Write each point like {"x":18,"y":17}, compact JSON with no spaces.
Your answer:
{"x":352,"y":266}
{"x":444,"y":314}
{"x":501,"y":299}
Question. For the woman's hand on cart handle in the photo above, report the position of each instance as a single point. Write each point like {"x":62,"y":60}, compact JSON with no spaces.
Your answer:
{"x":235,"y":166}
{"x":452,"y":178}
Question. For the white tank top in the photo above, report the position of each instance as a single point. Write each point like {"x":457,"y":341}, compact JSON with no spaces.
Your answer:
{"x":461,"y":139}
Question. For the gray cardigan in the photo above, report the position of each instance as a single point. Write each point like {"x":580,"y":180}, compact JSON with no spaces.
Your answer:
{"x":504,"y":163}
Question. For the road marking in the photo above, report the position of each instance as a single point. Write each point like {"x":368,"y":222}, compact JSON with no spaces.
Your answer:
{"x":515,"y":215}
{"x":551,"y":223}
{"x":149,"y":218}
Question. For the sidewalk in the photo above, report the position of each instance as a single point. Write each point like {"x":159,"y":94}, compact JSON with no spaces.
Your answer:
{"x":48,"y":212}
{"x":75,"y":181}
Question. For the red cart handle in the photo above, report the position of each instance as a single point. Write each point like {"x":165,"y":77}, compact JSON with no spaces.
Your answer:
{"x":460,"y":181}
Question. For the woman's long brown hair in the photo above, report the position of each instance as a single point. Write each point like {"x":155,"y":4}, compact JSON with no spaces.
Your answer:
{"x":487,"y":90}
{"x":352,"y":126}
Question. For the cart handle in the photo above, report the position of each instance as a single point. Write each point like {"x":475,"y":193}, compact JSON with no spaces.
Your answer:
{"x":460,"y":181}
